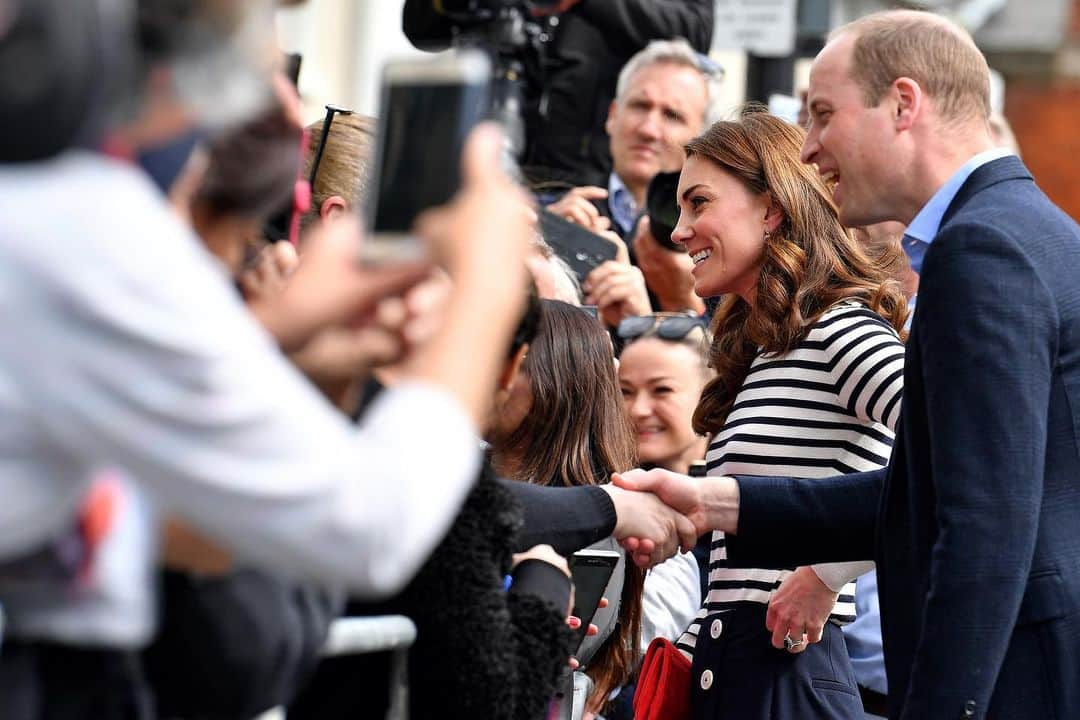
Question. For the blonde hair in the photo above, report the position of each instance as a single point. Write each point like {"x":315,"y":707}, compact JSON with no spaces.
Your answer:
{"x":937,"y":54}
{"x":343,"y":170}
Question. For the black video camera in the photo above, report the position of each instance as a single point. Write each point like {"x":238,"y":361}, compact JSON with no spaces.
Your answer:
{"x":662,"y":207}
{"x":483,"y":10}
{"x":516,"y":38}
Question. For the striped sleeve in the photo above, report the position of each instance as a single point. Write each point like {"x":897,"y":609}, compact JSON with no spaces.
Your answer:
{"x":867,"y":358}
{"x":826,"y":406}
{"x":688,"y":640}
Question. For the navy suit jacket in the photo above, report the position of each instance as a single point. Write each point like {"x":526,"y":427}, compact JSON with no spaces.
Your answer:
{"x":974,"y":524}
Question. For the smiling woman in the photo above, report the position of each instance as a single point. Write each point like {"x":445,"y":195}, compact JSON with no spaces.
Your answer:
{"x":661,"y":380}
{"x":763,"y":231}
{"x":809,"y":369}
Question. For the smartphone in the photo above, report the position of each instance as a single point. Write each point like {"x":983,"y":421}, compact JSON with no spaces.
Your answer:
{"x":590,"y":570}
{"x":428,"y":107}
{"x":582,"y":250}
{"x":284,"y":222}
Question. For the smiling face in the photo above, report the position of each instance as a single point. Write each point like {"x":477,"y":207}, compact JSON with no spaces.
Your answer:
{"x":851,"y":144}
{"x":661,"y":382}
{"x":663,"y":107}
{"x":722,"y":223}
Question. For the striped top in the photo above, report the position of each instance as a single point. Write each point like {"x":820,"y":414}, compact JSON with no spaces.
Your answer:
{"x":827,"y":407}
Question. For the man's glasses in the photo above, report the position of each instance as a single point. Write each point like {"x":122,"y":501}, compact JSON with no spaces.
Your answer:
{"x":331,"y":112}
{"x":669,"y":326}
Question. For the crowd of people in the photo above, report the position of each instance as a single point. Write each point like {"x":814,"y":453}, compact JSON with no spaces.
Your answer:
{"x":829,"y":428}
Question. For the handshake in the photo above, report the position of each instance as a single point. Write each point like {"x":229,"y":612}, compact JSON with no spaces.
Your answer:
{"x":660,"y":511}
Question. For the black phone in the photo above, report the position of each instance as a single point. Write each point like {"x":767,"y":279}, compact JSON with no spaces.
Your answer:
{"x":428,"y":108}
{"x":293,"y":62}
{"x":590,"y":570}
{"x":582,"y":250}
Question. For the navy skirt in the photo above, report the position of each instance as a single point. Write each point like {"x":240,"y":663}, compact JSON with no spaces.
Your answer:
{"x":737,"y":674}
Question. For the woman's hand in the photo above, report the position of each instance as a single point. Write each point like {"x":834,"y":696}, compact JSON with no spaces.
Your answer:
{"x":577,"y":207}
{"x":575,"y":622}
{"x":267,"y":275}
{"x":327,"y":287}
{"x":618,"y":291}
{"x":798,"y":610}
{"x":544,"y":553}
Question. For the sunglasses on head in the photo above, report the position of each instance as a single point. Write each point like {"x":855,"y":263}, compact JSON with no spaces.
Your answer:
{"x":286,"y":223}
{"x":669,"y":326}
{"x":332,"y":111}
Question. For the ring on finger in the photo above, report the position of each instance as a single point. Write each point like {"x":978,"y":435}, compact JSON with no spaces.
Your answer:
{"x":790,"y":644}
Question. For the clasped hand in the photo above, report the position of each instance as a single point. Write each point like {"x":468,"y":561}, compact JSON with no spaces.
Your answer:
{"x":700,"y":505}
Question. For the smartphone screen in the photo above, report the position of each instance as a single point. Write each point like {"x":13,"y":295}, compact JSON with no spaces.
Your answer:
{"x":582,"y":250}
{"x":428,"y":109}
{"x":590,"y":570}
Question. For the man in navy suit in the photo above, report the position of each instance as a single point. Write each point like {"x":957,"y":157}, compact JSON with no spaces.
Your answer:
{"x":973,"y":524}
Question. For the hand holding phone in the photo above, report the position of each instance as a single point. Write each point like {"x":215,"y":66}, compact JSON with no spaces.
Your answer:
{"x":590,"y":570}
{"x":582,"y":250}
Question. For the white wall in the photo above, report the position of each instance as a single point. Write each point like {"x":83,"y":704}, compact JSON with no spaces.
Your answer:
{"x":344,"y":44}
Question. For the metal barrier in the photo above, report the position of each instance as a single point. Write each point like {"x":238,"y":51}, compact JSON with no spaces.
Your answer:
{"x":358,"y":636}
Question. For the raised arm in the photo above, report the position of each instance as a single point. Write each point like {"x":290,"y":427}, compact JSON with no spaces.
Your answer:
{"x":143,"y":357}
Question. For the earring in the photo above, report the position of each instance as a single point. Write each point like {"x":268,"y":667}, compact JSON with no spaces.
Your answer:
{"x":767,"y":236}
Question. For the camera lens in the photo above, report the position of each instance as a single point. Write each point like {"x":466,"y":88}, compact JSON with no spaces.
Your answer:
{"x":663,"y":209}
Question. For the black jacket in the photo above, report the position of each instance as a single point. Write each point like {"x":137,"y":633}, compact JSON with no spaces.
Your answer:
{"x":480,"y":651}
{"x":592,"y":42}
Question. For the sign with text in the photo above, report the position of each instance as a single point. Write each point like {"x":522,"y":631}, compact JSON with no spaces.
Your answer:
{"x":762,"y":27}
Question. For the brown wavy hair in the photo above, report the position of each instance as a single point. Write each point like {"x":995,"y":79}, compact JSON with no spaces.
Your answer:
{"x":810,"y":262}
{"x":577,"y":433}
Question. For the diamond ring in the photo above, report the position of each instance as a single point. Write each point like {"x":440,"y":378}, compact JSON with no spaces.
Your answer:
{"x":790,"y":644}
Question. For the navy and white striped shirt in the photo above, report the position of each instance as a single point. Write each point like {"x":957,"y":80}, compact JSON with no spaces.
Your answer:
{"x":827,"y":407}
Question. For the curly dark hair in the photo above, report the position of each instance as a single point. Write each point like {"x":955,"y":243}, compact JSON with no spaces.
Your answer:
{"x":811,"y":262}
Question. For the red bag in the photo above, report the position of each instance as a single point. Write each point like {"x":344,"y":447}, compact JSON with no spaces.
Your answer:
{"x":663,"y":689}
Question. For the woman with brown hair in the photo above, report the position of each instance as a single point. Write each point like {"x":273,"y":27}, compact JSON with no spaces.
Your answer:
{"x":809,"y":370}
{"x":561,"y":422}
